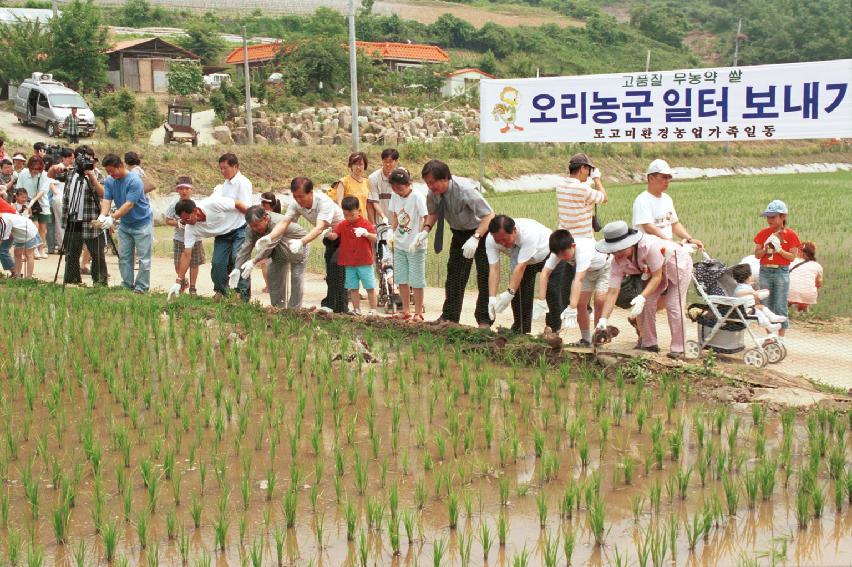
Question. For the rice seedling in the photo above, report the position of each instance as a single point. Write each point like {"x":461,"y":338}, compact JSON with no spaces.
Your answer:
{"x":597,"y":522}
{"x":288,"y":506}
{"x":521,"y":559}
{"x":61,"y":517}
{"x":502,"y":529}
{"x":142,"y":529}
{"x":682,"y":478}
{"x":35,"y":556}
{"x":195,"y":509}
{"x":408,"y":519}
{"x":818,"y":500}
{"x":220,"y":530}
{"x":183,"y":545}
{"x":732,"y":494}
{"x":627,"y":469}
{"x":465,"y":546}
{"x":767,"y":470}
{"x":13,"y":547}
{"x":569,"y":497}
{"x":751,"y":482}
{"x":803,"y":506}
{"x":439,"y":547}
{"x":541,"y":504}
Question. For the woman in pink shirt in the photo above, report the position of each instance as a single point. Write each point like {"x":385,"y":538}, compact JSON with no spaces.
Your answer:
{"x":805,"y":278}
{"x":665,"y":267}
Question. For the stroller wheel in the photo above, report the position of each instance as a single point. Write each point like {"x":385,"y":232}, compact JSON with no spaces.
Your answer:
{"x":692,"y":350}
{"x":755,"y":357}
{"x":775,"y":352}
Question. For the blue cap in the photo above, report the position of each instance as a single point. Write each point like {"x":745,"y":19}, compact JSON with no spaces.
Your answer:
{"x":776,"y":207}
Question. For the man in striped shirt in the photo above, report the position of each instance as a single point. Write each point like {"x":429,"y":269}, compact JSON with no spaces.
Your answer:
{"x":576,"y":200}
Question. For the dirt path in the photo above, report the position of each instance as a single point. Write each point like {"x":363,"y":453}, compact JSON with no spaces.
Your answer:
{"x":201,"y":121}
{"x":812,"y":352}
{"x":20,"y":133}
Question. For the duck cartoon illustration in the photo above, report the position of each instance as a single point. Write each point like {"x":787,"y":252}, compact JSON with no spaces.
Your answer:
{"x":507,"y":110}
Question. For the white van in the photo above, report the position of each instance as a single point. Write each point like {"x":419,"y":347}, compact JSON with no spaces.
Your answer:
{"x":46,"y":103}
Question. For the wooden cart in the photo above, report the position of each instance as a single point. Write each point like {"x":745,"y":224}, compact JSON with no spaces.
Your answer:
{"x":178,"y":125}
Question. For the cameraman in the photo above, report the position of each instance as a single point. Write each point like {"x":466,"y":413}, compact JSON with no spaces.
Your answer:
{"x":58,"y":174}
{"x":83,"y":191}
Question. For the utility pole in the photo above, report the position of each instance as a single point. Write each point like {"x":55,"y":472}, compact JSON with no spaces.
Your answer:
{"x":737,"y":43}
{"x":648,"y":61}
{"x":247,"y":77}
{"x":55,"y":5}
{"x":353,"y":78}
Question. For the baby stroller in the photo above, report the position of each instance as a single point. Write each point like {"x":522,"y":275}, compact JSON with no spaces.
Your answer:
{"x":723,"y":321}
{"x":388,"y":298}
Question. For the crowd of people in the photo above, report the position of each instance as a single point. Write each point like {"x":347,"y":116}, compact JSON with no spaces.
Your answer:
{"x":644,"y":265}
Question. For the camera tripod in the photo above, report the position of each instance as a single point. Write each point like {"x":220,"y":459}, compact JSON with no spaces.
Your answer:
{"x":82,"y":190}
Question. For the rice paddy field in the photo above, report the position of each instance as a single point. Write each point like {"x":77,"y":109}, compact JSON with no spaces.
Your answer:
{"x":140,"y":433}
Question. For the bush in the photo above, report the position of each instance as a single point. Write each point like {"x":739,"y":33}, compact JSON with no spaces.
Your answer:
{"x":121,"y":128}
{"x":150,"y":117}
{"x":185,"y":78}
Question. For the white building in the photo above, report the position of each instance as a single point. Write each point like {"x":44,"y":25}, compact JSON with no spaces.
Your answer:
{"x":460,"y":81}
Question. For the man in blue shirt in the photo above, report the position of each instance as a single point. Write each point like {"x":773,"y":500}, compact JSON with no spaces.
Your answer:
{"x":136,"y":231}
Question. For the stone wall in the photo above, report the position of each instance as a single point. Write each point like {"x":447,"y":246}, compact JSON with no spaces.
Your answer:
{"x":327,"y":126}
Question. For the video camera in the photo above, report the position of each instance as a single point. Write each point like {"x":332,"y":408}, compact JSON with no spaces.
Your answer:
{"x":83,"y":162}
{"x":51,"y":156}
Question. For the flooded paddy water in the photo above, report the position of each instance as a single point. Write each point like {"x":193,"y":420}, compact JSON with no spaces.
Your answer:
{"x":138,"y":434}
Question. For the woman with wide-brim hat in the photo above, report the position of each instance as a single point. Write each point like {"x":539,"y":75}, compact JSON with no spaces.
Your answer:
{"x":665,"y":268}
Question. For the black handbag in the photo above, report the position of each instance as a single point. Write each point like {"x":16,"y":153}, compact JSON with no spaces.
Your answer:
{"x":631,"y":286}
{"x":596,"y":225}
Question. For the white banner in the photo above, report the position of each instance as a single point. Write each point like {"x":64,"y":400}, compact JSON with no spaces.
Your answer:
{"x":795,"y":100}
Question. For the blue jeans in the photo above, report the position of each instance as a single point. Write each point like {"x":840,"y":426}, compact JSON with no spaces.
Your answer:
{"x":6,"y":259}
{"x":226,"y":248}
{"x":777,"y":281}
{"x":135,"y":242}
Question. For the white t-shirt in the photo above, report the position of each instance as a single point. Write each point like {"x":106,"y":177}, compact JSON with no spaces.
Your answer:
{"x":531,"y":245}
{"x":409,"y":213}
{"x":658,"y":211}
{"x":322,"y":209}
{"x":585,"y":257}
{"x":747,"y":291}
{"x":222,"y":218}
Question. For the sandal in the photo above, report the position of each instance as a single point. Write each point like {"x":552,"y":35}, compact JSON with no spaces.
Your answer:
{"x":418,"y":318}
{"x":401,"y":316}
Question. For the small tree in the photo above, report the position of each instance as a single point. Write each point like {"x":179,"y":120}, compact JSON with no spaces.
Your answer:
{"x":150,"y":116}
{"x":24,"y":46}
{"x":79,"y":44}
{"x":136,"y":13}
{"x":185,"y":78}
{"x":203,"y":39}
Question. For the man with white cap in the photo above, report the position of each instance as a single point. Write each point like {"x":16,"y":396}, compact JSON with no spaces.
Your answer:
{"x":664,"y":268}
{"x":653,"y":210}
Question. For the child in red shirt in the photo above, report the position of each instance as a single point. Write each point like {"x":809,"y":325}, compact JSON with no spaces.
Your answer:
{"x":357,"y":238}
{"x":776,"y":246}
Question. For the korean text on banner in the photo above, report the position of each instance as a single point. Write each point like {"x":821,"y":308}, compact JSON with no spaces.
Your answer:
{"x":795,"y":100}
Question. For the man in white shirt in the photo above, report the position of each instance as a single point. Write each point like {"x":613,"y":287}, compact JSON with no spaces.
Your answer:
{"x":380,"y":187}
{"x":319,"y":210}
{"x":217,"y":217}
{"x":226,"y":246}
{"x":653,"y":210}
{"x":591,"y":279}
{"x":525,"y":241}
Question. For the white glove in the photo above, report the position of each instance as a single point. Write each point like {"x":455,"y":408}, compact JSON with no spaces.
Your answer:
{"x":234,"y":278}
{"x":469,"y":247}
{"x":638,"y":304}
{"x":101,"y":219}
{"x":107,"y":223}
{"x":689,"y":247}
{"x":773,"y":241}
{"x":324,"y":233}
{"x":360,"y":231}
{"x":419,"y":241}
{"x":492,"y":308}
{"x":263,"y":243}
{"x":601,"y":326}
{"x":384,"y":220}
{"x":174,"y":291}
{"x":596,"y":173}
{"x":569,"y":317}
{"x":540,"y":309}
{"x":503,"y":301}
{"x":246,"y":268}
{"x":181,"y":225}
{"x":295,"y":246}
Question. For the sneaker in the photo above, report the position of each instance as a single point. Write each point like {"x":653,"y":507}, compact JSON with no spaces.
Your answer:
{"x":371,"y":313}
{"x":355,"y":312}
{"x":325,"y":309}
{"x":582,"y":343}
{"x":652,"y":348}
{"x":193,"y":291}
{"x":676,"y":355}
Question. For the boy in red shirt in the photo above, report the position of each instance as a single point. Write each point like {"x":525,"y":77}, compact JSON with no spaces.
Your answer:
{"x":357,"y":238}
